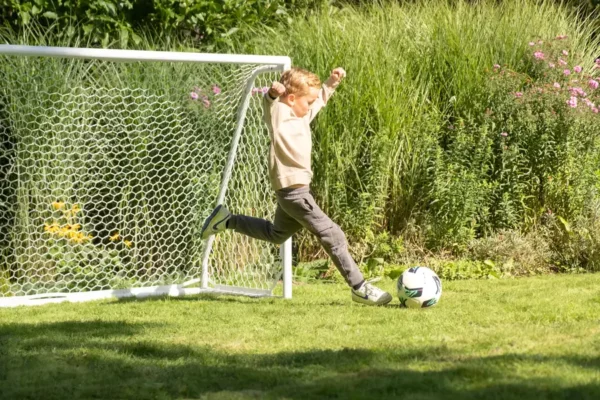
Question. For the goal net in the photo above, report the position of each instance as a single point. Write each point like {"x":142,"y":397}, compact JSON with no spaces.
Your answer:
{"x":111,"y":160}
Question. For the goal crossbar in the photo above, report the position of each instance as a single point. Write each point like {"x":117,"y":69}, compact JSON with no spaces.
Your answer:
{"x":280,"y":62}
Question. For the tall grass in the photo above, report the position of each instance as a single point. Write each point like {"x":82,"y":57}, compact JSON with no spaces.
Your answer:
{"x":405,"y":145}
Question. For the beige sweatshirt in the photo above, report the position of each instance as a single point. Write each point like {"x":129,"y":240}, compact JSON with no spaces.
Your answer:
{"x":291,"y":142}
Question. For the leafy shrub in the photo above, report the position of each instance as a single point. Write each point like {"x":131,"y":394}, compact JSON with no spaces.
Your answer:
{"x":576,"y":246}
{"x":513,"y":253}
{"x":115,"y":23}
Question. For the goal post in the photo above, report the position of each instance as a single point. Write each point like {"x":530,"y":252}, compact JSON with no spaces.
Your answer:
{"x":111,"y":160}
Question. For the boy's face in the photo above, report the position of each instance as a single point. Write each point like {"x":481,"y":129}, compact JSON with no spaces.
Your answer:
{"x":301,"y":104}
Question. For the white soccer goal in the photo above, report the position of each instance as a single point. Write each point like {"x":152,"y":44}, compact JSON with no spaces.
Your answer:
{"x":111,"y":160}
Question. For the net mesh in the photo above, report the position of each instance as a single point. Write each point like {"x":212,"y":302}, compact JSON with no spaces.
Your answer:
{"x":108,"y":170}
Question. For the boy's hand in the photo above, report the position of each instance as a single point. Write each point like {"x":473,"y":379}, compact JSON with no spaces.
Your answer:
{"x":277,"y":89}
{"x":337,"y":75}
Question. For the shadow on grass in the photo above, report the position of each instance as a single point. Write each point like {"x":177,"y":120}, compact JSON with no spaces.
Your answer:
{"x":233,"y":298}
{"x":76,"y":360}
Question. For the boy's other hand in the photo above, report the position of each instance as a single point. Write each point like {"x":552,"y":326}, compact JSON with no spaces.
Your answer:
{"x":337,"y":75}
{"x":277,"y":89}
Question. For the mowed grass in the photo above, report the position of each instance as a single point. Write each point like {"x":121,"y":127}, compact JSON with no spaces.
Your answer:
{"x":531,"y":338}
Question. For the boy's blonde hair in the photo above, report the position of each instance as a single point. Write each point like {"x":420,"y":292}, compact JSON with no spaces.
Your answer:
{"x":298,"y":80}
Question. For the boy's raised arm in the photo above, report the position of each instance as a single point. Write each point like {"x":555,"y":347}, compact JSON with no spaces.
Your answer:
{"x":277,"y":89}
{"x":327,"y":90}
{"x":270,"y":100}
{"x":333,"y":81}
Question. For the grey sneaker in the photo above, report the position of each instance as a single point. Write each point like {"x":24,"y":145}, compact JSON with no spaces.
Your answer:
{"x":370,"y":295}
{"x":216,"y":221}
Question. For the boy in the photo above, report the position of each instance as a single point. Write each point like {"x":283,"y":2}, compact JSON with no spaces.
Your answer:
{"x":289,"y":107}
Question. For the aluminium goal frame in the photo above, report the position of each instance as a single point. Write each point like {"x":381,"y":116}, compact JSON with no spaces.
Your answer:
{"x":266,"y":64}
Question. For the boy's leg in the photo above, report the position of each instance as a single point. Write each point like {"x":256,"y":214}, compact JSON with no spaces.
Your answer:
{"x":300,"y":205}
{"x":279,"y":231}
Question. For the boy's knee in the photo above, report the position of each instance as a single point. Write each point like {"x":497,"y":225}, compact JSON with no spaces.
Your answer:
{"x":279,"y":237}
{"x":332,"y":237}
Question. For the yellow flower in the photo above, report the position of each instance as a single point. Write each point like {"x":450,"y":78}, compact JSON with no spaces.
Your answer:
{"x":115,"y":237}
{"x":79,"y":237}
{"x":75,"y":209}
{"x":127,"y":243}
{"x":58,"y":205}
{"x":51,"y":228}
{"x":76,"y":227}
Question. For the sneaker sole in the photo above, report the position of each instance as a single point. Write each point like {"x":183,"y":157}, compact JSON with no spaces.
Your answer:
{"x":383,"y":301}
{"x":209,"y":220}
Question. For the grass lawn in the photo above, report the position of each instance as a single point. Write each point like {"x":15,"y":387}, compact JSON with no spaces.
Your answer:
{"x":534,"y":338}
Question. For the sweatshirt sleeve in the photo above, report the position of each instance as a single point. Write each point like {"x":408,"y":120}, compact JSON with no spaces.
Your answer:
{"x":269,"y":106}
{"x":325,"y":94}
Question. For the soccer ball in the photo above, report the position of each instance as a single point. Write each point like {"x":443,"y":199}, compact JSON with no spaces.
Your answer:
{"x":419,"y":287}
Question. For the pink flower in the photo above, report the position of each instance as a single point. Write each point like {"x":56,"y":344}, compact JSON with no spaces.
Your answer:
{"x":562,"y":62}
{"x":206,"y":102}
{"x":578,"y":92}
{"x":538,"y":55}
{"x":597,"y":61}
{"x":551,"y":65}
{"x":216,"y":89}
{"x":589,"y":103}
{"x":504,"y":134}
{"x":194,"y":96}
{"x":593,"y":84}
{"x":577,"y":68}
{"x":496,"y":66}
{"x":518,"y":94}
{"x":565,"y":53}
{"x":540,"y":42}
{"x":572,"y":102}
{"x":557,"y":85}
{"x":595,"y":110}
{"x":567,"y":72}
{"x":532,"y":43}
{"x":561,"y":37}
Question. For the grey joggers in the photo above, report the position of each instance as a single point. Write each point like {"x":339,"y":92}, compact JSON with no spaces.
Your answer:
{"x":296,"y":209}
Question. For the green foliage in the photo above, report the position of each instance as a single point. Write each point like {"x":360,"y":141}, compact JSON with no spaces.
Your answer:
{"x":514,"y":254}
{"x":4,"y":283}
{"x":586,"y":6}
{"x":425,"y":135}
{"x":306,"y":272}
{"x":576,"y":245}
{"x":210,"y":21}
{"x":425,"y":138}
{"x":99,"y":21}
{"x":466,"y":269}
{"x":115,"y":23}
